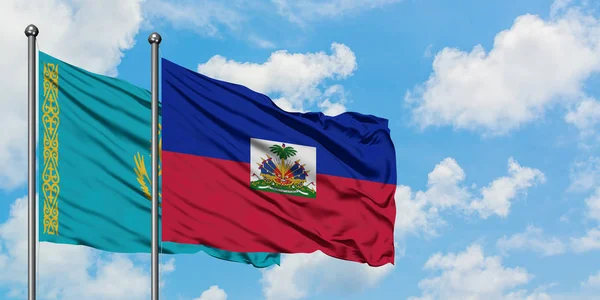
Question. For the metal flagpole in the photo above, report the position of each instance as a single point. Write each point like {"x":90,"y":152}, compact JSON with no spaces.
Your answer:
{"x":31,"y":32}
{"x":154,"y":39}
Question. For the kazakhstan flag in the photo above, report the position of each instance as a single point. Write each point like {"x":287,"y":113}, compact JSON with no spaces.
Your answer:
{"x":94,"y":165}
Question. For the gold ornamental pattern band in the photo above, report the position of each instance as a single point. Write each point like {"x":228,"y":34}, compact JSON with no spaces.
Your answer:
{"x":50,"y":120}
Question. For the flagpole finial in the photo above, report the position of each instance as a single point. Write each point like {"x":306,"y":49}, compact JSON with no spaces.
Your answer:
{"x":32,"y":30}
{"x":154,"y":38}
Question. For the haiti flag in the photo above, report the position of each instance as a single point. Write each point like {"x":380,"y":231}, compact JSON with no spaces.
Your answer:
{"x":240,"y":174}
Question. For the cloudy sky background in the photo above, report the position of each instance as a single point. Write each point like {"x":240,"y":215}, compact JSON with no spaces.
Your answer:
{"x":493,"y":110}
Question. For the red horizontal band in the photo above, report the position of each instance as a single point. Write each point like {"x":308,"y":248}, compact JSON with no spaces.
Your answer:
{"x":209,"y":201}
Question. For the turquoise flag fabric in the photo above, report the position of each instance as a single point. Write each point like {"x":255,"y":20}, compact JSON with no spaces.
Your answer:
{"x":94,"y":165}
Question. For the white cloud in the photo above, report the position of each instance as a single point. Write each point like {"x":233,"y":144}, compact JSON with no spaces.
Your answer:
{"x":496,"y":197}
{"x":587,"y":179}
{"x":165,"y":268}
{"x":260,"y":42}
{"x":472,"y":275}
{"x":585,"y":116}
{"x":420,"y":211}
{"x":335,"y":100}
{"x":212,"y":18}
{"x":75,"y":31}
{"x":593,"y":205}
{"x":293,"y":79}
{"x":589,"y":242}
{"x":331,"y":109}
{"x":301,"y":11}
{"x":415,"y":214}
{"x":202,"y":16}
{"x":288,"y":106}
{"x":559,"y":6}
{"x":585,"y":174}
{"x":532,"y":66}
{"x":213,"y":293}
{"x":593,"y":282}
{"x":90,"y":274}
{"x":532,"y":239}
{"x":303,"y":274}
{"x":168,"y":266}
{"x":428,"y":51}
{"x":536,"y":295}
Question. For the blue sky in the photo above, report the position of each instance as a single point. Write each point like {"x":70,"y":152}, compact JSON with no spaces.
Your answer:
{"x":492,"y":108}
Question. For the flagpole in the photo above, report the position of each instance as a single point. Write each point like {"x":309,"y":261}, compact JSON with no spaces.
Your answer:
{"x":154,"y":39}
{"x":31,"y":32}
